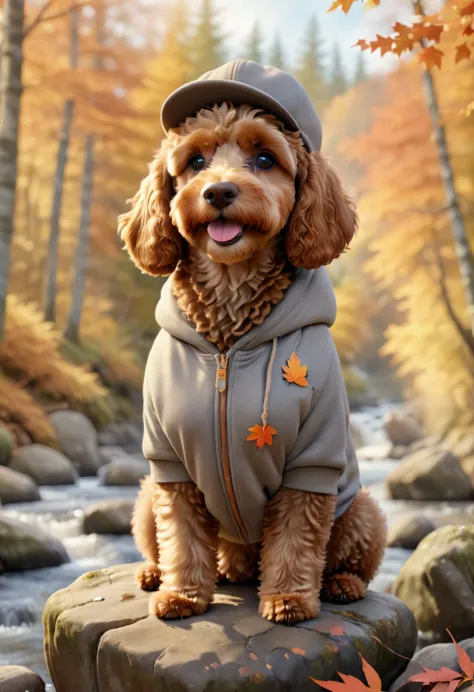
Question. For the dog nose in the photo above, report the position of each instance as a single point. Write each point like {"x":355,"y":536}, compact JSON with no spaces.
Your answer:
{"x":220,"y":195}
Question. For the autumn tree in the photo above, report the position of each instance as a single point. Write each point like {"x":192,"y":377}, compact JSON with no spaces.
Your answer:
{"x":207,"y":42}
{"x":254,"y":48}
{"x":310,"y":68}
{"x":338,"y":82}
{"x":277,"y":55}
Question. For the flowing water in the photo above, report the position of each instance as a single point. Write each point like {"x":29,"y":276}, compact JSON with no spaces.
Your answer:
{"x":60,"y":511}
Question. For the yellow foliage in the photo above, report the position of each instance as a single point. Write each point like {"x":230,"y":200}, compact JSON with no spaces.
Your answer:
{"x":18,"y":407}
{"x":350,"y":328}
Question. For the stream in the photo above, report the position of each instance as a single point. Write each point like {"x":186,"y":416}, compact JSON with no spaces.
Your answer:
{"x":60,"y":511}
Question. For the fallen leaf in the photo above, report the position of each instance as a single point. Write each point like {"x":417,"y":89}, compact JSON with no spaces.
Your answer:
{"x":269,"y":666}
{"x":254,"y":657}
{"x":299,"y":652}
{"x":336,"y":631}
{"x":127,"y":596}
{"x":244,"y":671}
{"x":295,"y":372}
{"x":351,"y":684}
{"x":262,"y":434}
{"x":465,"y":663}
{"x":371,"y":675}
{"x":430,"y":677}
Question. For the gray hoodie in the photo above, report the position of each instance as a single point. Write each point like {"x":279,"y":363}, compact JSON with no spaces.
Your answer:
{"x":200,"y":406}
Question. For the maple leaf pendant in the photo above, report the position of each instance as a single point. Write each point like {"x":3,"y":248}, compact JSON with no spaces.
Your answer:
{"x":295,"y":372}
{"x":262,"y":435}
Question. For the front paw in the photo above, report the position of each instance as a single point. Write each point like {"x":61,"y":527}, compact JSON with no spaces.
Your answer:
{"x":288,"y":608}
{"x":170,"y":605}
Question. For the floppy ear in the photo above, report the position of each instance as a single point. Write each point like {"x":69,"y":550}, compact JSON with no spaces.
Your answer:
{"x":151,"y":239}
{"x":323,"y":220}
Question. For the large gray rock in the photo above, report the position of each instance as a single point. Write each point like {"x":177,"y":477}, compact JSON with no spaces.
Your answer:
{"x":78,"y":440}
{"x":433,"y":657}
{"x":19,"y":679}
{"x":409,"y":531}
{"x":100,"y":628}
{"x":44,"y":465}
{"x":429,"y":474}
{"x":437,"y":582}
{"x":127,"y":471}
{"x":122,"y":434}
{"x":26,"y":547}
{"x":402,"y":428}
{"x":109,"y":453}
{"x":17,"y":487}
{"x":109,"y":516}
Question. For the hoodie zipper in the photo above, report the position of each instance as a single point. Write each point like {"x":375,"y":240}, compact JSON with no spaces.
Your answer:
{"x":221,"y":386}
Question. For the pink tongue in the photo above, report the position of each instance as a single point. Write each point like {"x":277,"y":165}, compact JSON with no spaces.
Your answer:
{"x":222,"y":231}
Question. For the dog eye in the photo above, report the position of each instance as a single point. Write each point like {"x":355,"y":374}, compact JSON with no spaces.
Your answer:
{"x":265,"y":161}
{"x":197,"y":162}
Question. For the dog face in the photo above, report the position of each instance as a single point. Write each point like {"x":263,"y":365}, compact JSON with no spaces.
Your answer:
{"x":227,"y":182}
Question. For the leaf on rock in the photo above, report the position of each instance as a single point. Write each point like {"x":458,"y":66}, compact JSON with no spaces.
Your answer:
{"x":371,"y":675}
{"x":262,"y":435}
{"x":295,"y":372}
{"x":299,"y":652}
{"x":430,"y":677}
{"x":351,"y":684}
{"x":127,"y":596}
{"x":465,"y":663}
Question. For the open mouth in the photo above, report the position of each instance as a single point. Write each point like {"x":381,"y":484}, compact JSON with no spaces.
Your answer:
{"x":225,"y":231}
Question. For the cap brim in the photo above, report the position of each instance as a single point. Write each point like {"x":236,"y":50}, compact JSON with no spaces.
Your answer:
{"x":190,"y":98}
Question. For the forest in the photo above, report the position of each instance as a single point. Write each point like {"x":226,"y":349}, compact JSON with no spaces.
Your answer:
{"x":76,"y":317}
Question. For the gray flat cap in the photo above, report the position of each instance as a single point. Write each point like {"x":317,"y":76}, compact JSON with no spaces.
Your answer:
{"x":246,"y":82}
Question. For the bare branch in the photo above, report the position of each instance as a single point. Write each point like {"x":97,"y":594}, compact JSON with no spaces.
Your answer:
{"x":41,"y":18}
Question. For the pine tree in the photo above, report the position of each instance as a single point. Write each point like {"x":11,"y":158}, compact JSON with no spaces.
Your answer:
{"x":254,"y":44}
{"x":310,"y":69}
{"x":277,"y":58}
{"x":361,"y":70}
{"x":208,"y":50}
{"x":338,"y":82}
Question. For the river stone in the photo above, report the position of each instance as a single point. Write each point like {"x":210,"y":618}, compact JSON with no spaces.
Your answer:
{"x":44,"y":465}
{"x":26,"y":547}
{"x":122,"y":434}
{"x":109,"y":516}
{"x":78,"y":440}
{"x":429,"y":474}
{"x":409,"y":531}
{"x":99,"y":628}
{"x":17,"y":487}
{"x":402,"y":428}
{"x":19,"y":679}
{"x":437,"y":582}
{"x":433,"y":657}
{"x":109,"y":453}
{"x":127,"y":471}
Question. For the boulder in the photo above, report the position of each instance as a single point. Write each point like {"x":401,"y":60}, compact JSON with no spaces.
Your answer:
{"x":26,"y":547}
{"x":17,"y":487}
{"x":109,"y":516}
{"x":123,"y":472}
{"x":433,"y":657}
{"x":19,"y":679}
{"x":437,"y":582}
{"x":111,"y":453}
{"x":78,"y":439}
{"x":122,"y":434}
{"x":44,"y":465}
{"x":7,"y":444}
{"x":429,"y":474}
{"x":402,"y":428}
{"x":99,"y":628}
{"x":409,"y":531}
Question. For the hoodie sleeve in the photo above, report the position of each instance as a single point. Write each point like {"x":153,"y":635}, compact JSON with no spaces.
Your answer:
{"x":165,"y":466}
{"x":321,"y":453}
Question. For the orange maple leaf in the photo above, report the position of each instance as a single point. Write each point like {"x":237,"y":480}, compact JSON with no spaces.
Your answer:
{"x":362,"y":44}
{"x":466,"y":11}
{"x":431,"y":57}
{"x":351,"y":684}
{"x":345,"y":5}
{"x":465,"y":663}
{"x":262,"y":435}
{"x":463,"y":52}
{"x":385,"y":43}
{"x":295,"y":372}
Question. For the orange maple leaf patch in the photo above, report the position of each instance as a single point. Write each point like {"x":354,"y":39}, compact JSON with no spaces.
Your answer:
{"x":351,"y":684}
{"x":262,"y":435}
{"x":295,"y":372}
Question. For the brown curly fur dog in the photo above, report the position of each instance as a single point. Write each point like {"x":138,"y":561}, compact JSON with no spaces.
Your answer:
{"x":225,"y":290}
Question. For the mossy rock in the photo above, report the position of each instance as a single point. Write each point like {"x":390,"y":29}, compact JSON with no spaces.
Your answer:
{"x":19,"y":679}
{"x":437,"y":582}
{"x":26,"y":547}
{"x":100,"y":628}
{"x":7,"y":445}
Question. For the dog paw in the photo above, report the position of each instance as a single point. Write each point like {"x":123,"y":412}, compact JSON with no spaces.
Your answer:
{"x":235,"y":576}
{"x":289,"y":608}
{"x":148,"y":577}
{"x":343,"y":588}
{"x":170,"y":605}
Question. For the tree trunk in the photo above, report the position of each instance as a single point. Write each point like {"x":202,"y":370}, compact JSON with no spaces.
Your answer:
{"x":52,"y":263}
{"x":11,"y":60}
{"x":461,"y":241}
{"x":74,"y":318}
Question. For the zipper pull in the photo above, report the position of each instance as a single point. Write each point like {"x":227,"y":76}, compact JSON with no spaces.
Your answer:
{"x":221,"y":375}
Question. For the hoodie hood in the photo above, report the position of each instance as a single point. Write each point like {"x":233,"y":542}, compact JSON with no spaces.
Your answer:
{"x":309,"y":300}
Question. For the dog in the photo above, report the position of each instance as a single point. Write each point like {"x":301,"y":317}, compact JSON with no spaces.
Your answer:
{"x":253,"y":469}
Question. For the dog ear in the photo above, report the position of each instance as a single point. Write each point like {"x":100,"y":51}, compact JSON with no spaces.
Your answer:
{"x":151,"y":239}
{"x":323,"y":220}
